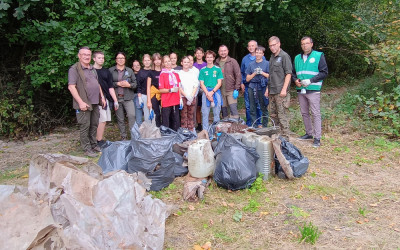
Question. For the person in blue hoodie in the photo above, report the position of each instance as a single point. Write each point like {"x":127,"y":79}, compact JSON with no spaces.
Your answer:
{"x":247,"y":59}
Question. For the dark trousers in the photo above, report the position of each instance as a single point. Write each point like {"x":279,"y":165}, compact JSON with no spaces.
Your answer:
{"x":259,"y":98}
{"x":156,"y":108}
{"x":88,"y":122}
{"x":170,"y":117}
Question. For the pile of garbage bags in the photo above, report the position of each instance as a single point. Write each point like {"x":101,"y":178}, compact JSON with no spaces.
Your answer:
{"x":152,"y":156}
{"x":162,"y":155}
{"x":66,"y":207}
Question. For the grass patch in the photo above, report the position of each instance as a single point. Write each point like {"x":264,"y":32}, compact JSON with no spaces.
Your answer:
{"x":299,"y":212}
{"x":342,"y":149}
{"x":252,"y":206}
{"x":10,"y":175}
{"x":309,"y":233}
{"x":258,"y":185}
{"x":223,"y":237}
{"x":360,"y":161}
{"x":363,"y":211}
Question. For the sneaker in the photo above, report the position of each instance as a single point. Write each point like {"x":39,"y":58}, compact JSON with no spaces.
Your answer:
{"x":305,"y":137}
{"x":91,"y":153}
{"x":101,"y":143}
{"x":199,"y":127}
{"x":316,"y":143}
{"x":96,"y":149}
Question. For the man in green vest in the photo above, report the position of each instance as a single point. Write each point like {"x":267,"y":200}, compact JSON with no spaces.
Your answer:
{"x":310,"y":69}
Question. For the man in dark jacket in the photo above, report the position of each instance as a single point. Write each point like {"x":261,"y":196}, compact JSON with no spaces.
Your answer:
{"x":86,"y":92}
{"x":124,"y":81}
{"x":231,"y":82}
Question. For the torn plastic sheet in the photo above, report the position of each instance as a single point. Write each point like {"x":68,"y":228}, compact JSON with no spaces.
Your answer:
{"x":110,"y":213}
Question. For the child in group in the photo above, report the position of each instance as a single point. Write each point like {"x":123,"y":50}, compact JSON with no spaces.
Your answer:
{"x":174,"y":59}
{"x":188,"y":90}
{"x":153,"y":92}
{"x":141,"y":78}
{"x":199,"y":64}
{"x":210,"y":81}
{"x":170,"y":96}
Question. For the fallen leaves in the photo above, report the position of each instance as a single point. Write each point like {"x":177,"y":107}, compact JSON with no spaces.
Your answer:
{"x":206,"y":246}
{"x":324,"y":198}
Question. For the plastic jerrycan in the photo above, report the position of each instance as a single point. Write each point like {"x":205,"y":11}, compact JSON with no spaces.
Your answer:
{"x":201,"y":162}
{"x":249,"y":139}
{"x":266,"y":151}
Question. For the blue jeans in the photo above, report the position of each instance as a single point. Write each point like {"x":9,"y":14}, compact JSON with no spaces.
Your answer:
{"x":259,"y":96}
{"x":138,"y":111}
{"x":250,"y":121}
{"x":205,"y":111}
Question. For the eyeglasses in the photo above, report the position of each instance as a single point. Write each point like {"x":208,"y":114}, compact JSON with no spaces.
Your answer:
{"x":82,"y":54}
{"x":304,"y":44}
{"x":120,"y":58}
{"x":273,"y":45}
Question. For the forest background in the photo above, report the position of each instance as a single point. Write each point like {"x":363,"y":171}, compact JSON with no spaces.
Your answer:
{"x":39,"y":41}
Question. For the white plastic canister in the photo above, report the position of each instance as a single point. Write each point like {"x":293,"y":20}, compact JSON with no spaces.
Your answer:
{"x":249,"y":139}
{"x":266,"y":152}
{"x":201,"y":162}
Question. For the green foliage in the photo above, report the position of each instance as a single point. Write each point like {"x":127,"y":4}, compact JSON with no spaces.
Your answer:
{"x":258,"y":185}
{"x":377,"y":26}
{"x":375,"y":102}
{"x":309,"y":233}
{"x":252,"y":206}
{"x":299,"y":212}
{"x":385,"y":107}
{"x":44,"y":36}
{"x":363,"y":211}
{"x":237,"y":216}
{"x":16,"y":110}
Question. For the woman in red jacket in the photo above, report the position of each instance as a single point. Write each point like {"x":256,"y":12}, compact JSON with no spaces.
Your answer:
{"x":170,"y":96}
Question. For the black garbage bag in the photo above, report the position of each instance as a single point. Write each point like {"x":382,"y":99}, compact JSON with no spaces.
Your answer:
{"x":154,"y":157}
{"x":179,"y":169}
{"x":187,"y":134}
{"x":298,"y":162}
{"x":115,"y":156}
{"x":235,"y":163}
{"x":183,"y":133}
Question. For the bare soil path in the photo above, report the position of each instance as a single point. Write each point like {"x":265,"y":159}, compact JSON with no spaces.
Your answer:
{"x":351,"y":193}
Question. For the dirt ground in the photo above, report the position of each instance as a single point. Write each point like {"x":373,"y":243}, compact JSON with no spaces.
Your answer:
{"x":351,"y":193}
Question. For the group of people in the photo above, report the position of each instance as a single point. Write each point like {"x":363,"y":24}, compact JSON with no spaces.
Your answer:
{"x":182,"y":95}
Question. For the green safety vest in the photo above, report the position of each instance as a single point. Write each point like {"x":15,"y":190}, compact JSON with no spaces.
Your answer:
{"x":308,"y":69}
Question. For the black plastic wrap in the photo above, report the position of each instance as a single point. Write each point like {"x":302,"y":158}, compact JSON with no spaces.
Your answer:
{"x":298,"y":162}
{"x":235,"y":163}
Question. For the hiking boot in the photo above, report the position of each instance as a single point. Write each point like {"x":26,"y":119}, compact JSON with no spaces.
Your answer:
{"x":96,"y":149}
{"x":316,"y":143}
{"x":91,"y":153}
{"x":305,"y":137}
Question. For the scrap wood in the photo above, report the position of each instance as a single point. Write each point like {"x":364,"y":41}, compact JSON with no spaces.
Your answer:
{"x":276,"y":143}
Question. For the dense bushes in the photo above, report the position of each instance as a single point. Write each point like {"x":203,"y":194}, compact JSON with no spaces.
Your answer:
{"x":42,"y":37}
